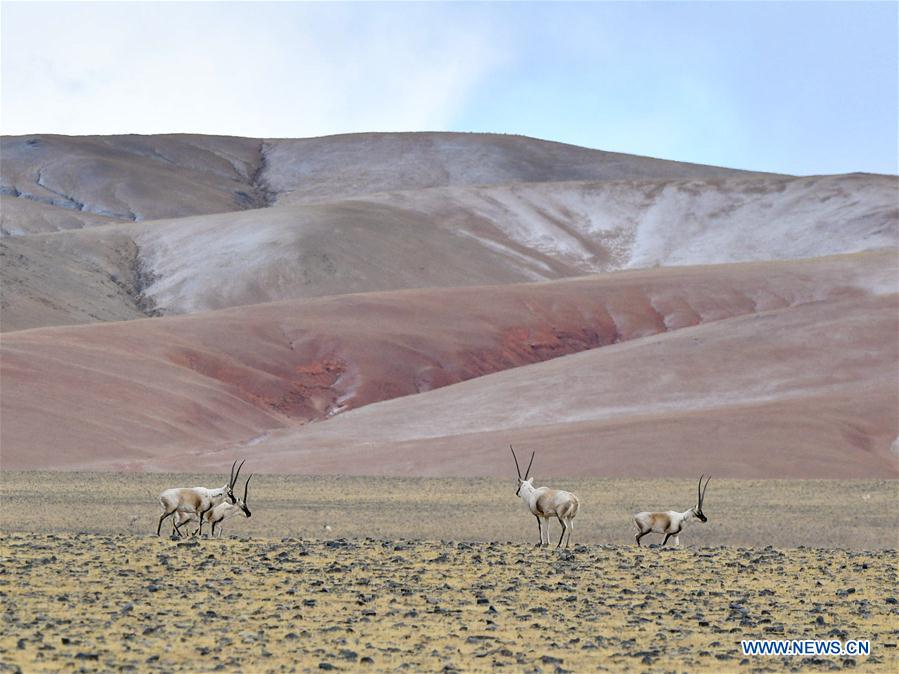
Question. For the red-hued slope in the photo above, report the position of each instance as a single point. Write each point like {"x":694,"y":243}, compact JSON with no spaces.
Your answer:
{"x":152,"y":389}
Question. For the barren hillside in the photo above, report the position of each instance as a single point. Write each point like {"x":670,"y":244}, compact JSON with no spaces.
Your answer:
{"x":442,"y":237}
{"x":225,"y":377}
{"x":307,"y":295}
{"x":806,"y":391}
{"x":151,"y":177}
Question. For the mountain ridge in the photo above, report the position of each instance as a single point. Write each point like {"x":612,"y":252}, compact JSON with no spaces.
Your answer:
{"x":311,"y":299}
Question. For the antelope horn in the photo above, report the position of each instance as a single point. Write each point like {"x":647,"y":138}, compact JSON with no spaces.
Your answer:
{"x":234,"y":479}
{"x":517,"y":468}
{"x":231,"y":478}
{"x":528,"y":471}
{"x":702,"y":497}
{"x":245,"y":487}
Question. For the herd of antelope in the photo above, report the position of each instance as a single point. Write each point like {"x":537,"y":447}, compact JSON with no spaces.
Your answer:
{"x":213,"y":506}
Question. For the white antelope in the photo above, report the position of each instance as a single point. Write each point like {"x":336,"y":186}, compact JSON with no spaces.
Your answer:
{"x":197,"y":500}
{"x":218,"y":514}
{"x":671,"y":522}
{"x":544,"y":503}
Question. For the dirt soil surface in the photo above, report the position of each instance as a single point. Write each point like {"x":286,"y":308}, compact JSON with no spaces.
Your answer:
{"x":244,"y":380}
{"x":375,"y":574}
{"x":125,"y":603}
{"x":859,"y":514}
{"x":409,"y":303}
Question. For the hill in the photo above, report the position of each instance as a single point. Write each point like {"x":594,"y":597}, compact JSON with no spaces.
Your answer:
{"x":165,"y":386}
{"x":405,"y":303}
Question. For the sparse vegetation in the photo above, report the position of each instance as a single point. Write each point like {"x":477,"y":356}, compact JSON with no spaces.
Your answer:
{"x":126,"y":603}
{"x":440,"y":575}
{"x":859,"y":514}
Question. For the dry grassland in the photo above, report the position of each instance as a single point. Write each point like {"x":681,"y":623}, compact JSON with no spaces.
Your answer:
{"x":386,"y":590}
{"x":815,"y":513}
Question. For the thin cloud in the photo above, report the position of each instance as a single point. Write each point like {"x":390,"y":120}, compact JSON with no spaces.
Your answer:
{"x":255,"y":70}
{"x":716,"y":83}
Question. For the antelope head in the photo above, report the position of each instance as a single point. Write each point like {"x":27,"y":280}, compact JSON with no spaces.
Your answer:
{"x":700,"y":496}
{"x":522,"y":480}
{"x":242,"y":503}
{"x":229,"y":489}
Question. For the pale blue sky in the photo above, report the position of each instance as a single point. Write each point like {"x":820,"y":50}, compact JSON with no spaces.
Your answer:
{"x":790,"y":87}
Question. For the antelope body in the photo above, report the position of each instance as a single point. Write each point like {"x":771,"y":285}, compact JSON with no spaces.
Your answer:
{"x":197,"y":500}
{"x":670,"y":522}
{"x":217,"y":514}
{"x":544,"y":503}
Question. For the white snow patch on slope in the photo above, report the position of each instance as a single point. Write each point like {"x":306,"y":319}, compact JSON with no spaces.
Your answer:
{"x":601,"y":226}
{"x":769,"y":219}
{"x":482,"y":235}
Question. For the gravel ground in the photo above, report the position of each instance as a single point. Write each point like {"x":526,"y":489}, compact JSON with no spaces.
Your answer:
{"x":89,"y":602}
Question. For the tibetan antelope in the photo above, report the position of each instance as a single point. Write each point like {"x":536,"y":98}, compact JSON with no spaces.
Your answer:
{"x":544,"y":503}
{"x":218,"y":514}
{"x":197,"y":500}
{"x":671,"y":523}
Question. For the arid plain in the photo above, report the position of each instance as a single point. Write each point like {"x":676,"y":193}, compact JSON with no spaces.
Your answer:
{"x":370,"y":321}
{"x":442,"y":575}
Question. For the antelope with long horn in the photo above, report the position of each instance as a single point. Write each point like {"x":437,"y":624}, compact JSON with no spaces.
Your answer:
{"x":544,"y":503}
{"x":198,"y":500}
{"x":219,"y":513}
{"x":671,"y":522}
